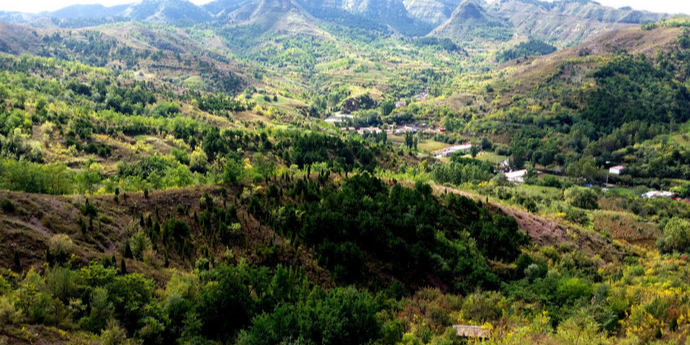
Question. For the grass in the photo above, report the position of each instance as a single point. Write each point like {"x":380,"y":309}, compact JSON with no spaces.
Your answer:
{"x":431,"y":146}
{"x":491,"y":157}
{"x":621,"y":192}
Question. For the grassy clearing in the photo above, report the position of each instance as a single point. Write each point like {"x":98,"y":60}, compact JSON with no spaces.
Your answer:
{"x":430,"y":146}
{"x":491,"y":157}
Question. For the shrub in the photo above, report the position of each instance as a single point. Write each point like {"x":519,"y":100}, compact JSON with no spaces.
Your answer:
{"x":59,"y":247}
{"x":571,"y":290}
{"x":551,"y":181}
{"x":139,"y":243}
{"x":8,"y":206}
{"x":9,"y":315}
{"x":676,"y":235}
{"x":585,"y":198}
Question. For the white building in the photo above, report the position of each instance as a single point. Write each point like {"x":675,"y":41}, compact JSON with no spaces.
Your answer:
{"x":448,"y":151}
{"x":617,"y":170}
{"x":657,"y":194}
{"x":516,"y":176}
{"x":339,"y":118}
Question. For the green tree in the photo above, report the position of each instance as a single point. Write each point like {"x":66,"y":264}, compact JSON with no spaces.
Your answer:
{"x":232,"y":171}
{"x":581,"y":197}
{"x":387,"y":107}
{"x":677,"y":235}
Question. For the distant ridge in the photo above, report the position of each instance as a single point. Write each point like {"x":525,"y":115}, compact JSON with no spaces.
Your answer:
{"x":470,"y":21}
{"x":567,"y":21}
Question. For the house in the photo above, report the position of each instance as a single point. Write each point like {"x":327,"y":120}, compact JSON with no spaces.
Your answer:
{"x":472,"y":332}
{"x":658,"y":194}
{"x":448,"y":151}
{"x":400,"y":104}
{"x":617,"y":170}
{"x":516,"y":176}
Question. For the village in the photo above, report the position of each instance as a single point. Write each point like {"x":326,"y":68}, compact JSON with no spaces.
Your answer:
{"x":445,"y":151}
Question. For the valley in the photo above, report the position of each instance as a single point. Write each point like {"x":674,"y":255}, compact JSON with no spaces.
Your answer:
{"x":344,"y":172}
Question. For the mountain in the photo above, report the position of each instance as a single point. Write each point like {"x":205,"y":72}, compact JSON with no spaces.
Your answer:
{"x":15,"y":17}
{"x":389,"y":12}
{"x":368,"y":14}
{"x":165,"y":11}
{"x":567,"y":21}
{"x":471,"y":22}
{"x":87,"y":11}
{"x":431,"y":11}
{"x":224,"y":7}
{"x":285,"y":16}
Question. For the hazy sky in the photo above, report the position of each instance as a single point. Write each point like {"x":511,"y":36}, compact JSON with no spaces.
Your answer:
{"x":668,"y":6}
{"x":34,"y":6}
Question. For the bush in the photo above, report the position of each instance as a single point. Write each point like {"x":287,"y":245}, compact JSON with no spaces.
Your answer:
{"x":585,"y":198}
{"x":339,"y":317}
{"x":676,"y":236}
{"x":8,"y":206}
{"x":9,"y":315}
{"x":59,"y":247}
{"x":139,"y":243}
{"x":571,"y":290}
{"x":551,"y":181}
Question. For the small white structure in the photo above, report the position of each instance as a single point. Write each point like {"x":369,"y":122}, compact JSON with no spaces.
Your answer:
{"x":339,"y":118}
{"x":448,"y":151}
{"x":617,"y":170}
{"x":517,"y":176}
{"x":658,"y":194}
{"x":406,"y":129}
{"x":373,"y":130}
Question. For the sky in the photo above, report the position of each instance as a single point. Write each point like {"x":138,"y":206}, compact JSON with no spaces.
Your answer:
{"x":33,"y":6}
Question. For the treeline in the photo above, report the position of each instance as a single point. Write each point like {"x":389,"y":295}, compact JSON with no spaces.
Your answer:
{"x":525,"y":49}
{"x":222,"y":304}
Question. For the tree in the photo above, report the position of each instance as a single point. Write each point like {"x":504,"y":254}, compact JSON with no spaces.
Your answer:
{"x":341,"y":316}
{"x":224,"y":303}
{"x":139,"y":243}
{"x":677,"y":235}
{"x":128,"y":251}
{"x":387,"y":107}
{"x":232,"y":171}
{"x":263,"y":165}
{"x":585,"y":198}
{"x":585,"y":168}
{"x":474,"y":151}
{"x":102,"y":310}
{"x":486,"y":144}
{"x":199,"y":160}
{"x":409,"y":139}
{"x":59,"y":247}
